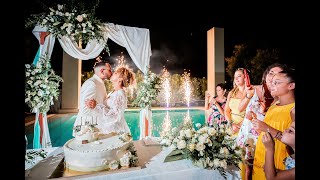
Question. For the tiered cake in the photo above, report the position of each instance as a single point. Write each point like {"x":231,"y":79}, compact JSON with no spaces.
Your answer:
{"x":91,"y":151}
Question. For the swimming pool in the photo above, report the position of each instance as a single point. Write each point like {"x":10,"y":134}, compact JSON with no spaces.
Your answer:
{"x":60,"y":126}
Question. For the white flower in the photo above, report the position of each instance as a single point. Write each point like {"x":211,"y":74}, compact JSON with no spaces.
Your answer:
{"x":114,"y":165}
{"x":60,"y":7}
{"x":188,"y":133}
{"x":221,"y":130}
{"x":171,"y":137}
{"x":191,"y":147}
{"x":216,"y":162}
{"x":181,"y":134}
{"x":223,"y":163}
{"x":210,"y":163}
{"x":229,"y":131}
{"x":200,"y":147}
{"x":79,"y":18}
{"x":125,"y":161}
{"x":126,"y":137}
{"x":174,"y":129}
{"x":211,"y":131}
{"x":224,"y":150}
{"x":203,"y":138}
{"x":201,"y":153}
{"x":181,"y":144}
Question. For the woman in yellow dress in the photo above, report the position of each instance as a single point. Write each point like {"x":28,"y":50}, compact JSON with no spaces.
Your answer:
{"x":278,"y":118}
{"x":231,"y":111}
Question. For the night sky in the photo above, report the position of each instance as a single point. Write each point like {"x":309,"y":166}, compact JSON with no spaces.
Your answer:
{"x":178,"y":34}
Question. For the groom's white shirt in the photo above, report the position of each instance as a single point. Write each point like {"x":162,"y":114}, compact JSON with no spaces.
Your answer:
{"x":93,"y":88}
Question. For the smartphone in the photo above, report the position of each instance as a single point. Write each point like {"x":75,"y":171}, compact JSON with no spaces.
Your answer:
{"x":246,"y":78}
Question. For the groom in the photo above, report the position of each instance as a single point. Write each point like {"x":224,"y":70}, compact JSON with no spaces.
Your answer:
{"x":93,"y":88}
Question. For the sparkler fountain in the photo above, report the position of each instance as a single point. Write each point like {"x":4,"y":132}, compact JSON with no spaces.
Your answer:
{"x":187,"y":91}
{"x":166,"y":125}
{"x":187,"y":87}
{"x":121,"y":61}
{"x":166,"y":85}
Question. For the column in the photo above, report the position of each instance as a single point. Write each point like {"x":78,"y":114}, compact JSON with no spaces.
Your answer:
{"x":215,"y":58}
{"x":71,"y":74}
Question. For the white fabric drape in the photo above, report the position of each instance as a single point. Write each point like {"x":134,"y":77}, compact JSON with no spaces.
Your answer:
{"x":145,"y":115}
{"x":46,"y":140}
{"x":91,"y":51}
{"x":135,"y":40}
{"x":47,"y":46}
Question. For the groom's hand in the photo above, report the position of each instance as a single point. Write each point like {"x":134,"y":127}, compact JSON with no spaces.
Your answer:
{"x":91,"y":103}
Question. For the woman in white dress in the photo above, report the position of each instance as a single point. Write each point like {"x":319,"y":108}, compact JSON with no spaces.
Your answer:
{"x":113,"y":107}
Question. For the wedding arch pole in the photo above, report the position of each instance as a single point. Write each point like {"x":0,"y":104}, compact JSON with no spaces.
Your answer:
{"x":41,"y":138}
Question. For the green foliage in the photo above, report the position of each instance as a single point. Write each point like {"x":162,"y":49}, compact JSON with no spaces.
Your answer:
{"x":41,"y":85}
{"x":256,"y":60}
{"x":148,"y":90}
{"x":74,"y":20}
{"x":32,"y":155}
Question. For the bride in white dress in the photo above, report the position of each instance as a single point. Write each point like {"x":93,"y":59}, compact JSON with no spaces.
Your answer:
{"x":113,"y":107}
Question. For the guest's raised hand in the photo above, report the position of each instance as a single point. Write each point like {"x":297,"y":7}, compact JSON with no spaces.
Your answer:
{"x":251,"y":115}
{"x":249,"y":91}
{"x":258,"y":125}
{"x":268,"y":141}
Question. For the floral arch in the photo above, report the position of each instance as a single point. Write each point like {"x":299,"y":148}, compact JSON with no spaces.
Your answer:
{"x":73,"y":28}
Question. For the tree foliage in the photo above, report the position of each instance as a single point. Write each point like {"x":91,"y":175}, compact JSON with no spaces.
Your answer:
{"x":255,"y":60}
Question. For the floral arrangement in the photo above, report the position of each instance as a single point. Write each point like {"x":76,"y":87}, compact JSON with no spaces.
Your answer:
{"x":32,"y":155}
{"x":41,"y":85}
{"x":208,"y":147}
{"x":129,"y":159}
{"x":148,"y":90}
{"x":78,"y":25}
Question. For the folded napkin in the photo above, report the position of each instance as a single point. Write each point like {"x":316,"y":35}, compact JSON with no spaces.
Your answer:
{"x":175,"y":155}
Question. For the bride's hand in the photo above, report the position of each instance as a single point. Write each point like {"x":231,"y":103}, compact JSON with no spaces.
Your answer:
{"x":91,"y":103}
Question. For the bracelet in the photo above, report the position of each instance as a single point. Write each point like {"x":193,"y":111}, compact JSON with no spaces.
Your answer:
{"x":248,"y":97}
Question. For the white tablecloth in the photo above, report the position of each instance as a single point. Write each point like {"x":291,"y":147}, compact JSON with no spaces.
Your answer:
{"x":178,"y":170}
{"x":50,"y":152}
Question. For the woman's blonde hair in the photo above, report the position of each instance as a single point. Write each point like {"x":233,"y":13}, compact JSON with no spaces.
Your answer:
{"x":235,"y":88}
{"x":127,"y":75}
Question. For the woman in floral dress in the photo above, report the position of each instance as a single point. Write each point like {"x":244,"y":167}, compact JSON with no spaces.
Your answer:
{"x":217,"y":105}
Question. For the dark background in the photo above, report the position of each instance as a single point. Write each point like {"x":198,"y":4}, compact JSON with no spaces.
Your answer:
{"x":178,"y":32}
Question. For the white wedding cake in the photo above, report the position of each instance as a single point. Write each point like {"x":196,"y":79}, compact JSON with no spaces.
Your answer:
{"x":90,"y":151}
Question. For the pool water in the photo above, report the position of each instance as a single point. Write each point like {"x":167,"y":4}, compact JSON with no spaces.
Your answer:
{"x":60,"y":126}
